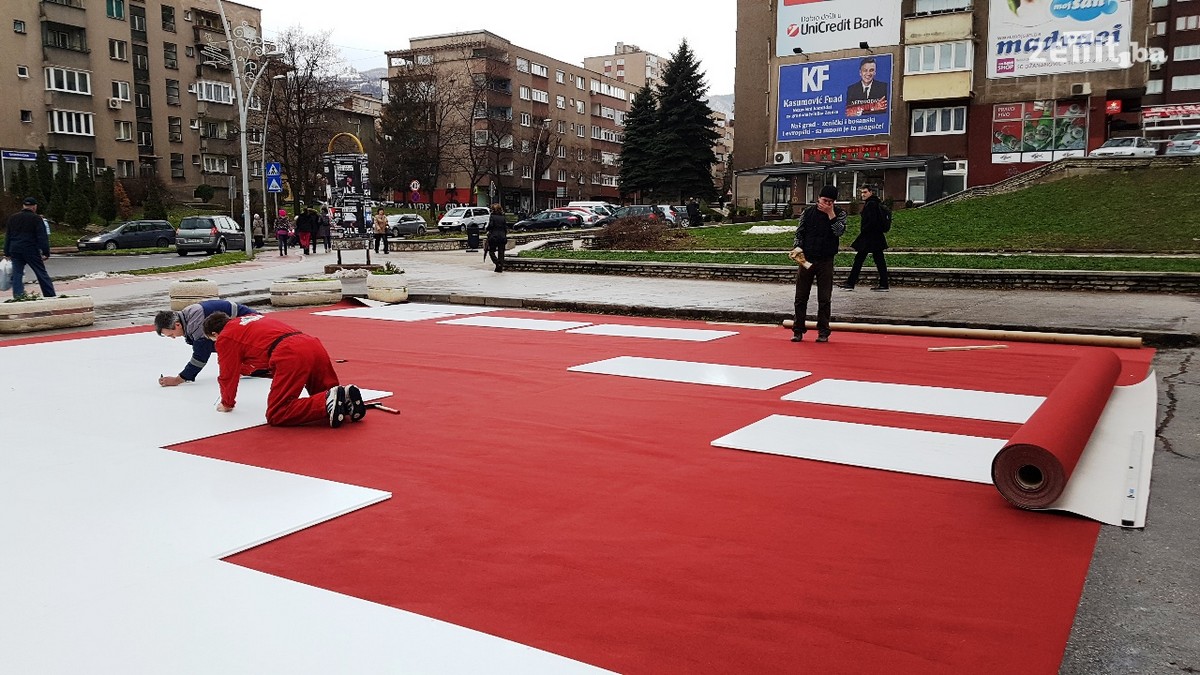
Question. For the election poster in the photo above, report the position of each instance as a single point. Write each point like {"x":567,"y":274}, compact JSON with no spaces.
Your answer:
{"x":835,"y":99}
{"x":1054,"y":37}
{"x":348,"y":178}
{"x":826,"y":25}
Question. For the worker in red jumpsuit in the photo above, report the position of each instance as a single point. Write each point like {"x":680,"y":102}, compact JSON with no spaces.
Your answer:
{"x":297,"y":361}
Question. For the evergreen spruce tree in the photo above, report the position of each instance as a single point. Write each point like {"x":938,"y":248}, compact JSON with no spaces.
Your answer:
{"x":41,"y":183}
{"x":686,"y":131}
{"x":79,"y":211}
{"x":85,"y":183}
{"x":639,"y":173}
{"x":154,"y":207}
{"x":20,"y":185}
{"x":64,"y":186}
{"x":106,"y":198}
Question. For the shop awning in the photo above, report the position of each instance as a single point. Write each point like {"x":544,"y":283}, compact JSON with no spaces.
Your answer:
{"x":908,"y":162}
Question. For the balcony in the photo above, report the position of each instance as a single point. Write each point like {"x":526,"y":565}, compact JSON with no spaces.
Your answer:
{"x":937,"y":86}
{"x":938,"y":28}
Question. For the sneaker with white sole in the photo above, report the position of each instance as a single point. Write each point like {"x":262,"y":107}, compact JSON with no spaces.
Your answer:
{"x":335,"y":406}
{"x":356,"y":408}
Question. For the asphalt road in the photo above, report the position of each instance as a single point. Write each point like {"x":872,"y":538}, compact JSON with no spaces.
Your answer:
{"x":71,"y":265}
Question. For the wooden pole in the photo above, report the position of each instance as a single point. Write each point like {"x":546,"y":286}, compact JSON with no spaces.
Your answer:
{"x":982,"y":334}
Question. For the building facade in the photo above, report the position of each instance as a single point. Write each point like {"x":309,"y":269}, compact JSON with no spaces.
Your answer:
{"x":142,"y":87}
{"x":522,"y":110}
{"x":629,"y":64}
{"x":928,"y":97}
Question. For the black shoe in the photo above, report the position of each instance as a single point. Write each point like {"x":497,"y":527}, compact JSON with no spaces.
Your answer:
{"x":845,"y":287}
{"x":823,"y":337}
{"x":335,"y":406}
{"x":355,"y":407}
{"x":880,"y":288}
{"x":797,"y":337}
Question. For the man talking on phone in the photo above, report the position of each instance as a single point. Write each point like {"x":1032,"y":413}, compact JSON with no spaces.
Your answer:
{"x":818,"y":236}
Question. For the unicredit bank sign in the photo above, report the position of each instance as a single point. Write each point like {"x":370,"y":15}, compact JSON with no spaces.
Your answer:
{"x":826,"y":25}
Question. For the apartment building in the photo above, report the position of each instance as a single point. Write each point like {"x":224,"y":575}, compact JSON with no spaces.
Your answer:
{"x":143,"y":87}
{"x":722,"y":150}
{"x":928,"y":97}
{"x":629,"y":64}
{"x":521,"y":103}
{"x":1172,"y":101}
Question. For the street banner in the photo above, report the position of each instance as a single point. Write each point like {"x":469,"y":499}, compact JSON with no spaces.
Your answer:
{"x":835,"y":99}
{"x":1038,"y":131}
{"x":1054,"y":37}
{"x":826,"y":25}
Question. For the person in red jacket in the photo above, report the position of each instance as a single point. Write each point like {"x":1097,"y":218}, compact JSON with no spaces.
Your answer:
{"x":297,"y":361}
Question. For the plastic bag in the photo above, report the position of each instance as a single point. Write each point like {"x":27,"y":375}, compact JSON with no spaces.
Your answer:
{"x":5,"y":274}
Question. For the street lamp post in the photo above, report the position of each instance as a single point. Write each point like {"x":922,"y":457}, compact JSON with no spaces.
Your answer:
{"x":536,"y":150}
{"x":246,"y":54}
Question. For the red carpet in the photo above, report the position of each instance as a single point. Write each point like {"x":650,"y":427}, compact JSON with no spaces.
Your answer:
{"x":588,"y":515}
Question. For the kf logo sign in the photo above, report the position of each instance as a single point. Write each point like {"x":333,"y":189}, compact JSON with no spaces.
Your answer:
{"x":814,"y":78}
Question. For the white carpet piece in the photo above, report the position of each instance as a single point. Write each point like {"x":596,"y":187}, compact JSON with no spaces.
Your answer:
{"x":112,"y":540}
{"x":409,"y":312}
{"x":971,"y":404}
{"x":715,"y":374}
{"x":925,"y":453}
{"x":654,"y":332}
{"x":548,"y":325}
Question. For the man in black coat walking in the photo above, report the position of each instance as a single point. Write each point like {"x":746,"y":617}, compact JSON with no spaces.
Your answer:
{"x":817,"y":237}
{"x":27,"y":243}
{"x":875,"y":222}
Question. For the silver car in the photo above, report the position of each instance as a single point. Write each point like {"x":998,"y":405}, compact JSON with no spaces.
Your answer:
{"x":1187,"y":143}
{"x":402,"y":224}
{"x":211,"y":234}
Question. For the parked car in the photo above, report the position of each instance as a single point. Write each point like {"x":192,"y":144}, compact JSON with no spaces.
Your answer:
{"x":132,"y":234}
{"x":586,"y":218}
{"x":1187,"y":143}
{"x":211,"y":234}
{"x":402,"y":224}
{"x":669,"y":213}
{"x":639,"y":211}
{"x":549,"y":220}
{"x":601,"y":208}
{"x":457,"y":219}
{"x":681,"y":216}
{"x":1133,"y":146}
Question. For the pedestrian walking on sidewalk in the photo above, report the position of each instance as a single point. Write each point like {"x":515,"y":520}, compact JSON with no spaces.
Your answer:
{"x":817,"y":236}
{"x":324,"y":229}
{"x":497,"y":237}
{"x":282,"y":231}
{"x":258,"y":230}
{"x":379,"y":227}
{"x":297,"y":362}
{"x":27,"y":243}
{"x":876,"y":221}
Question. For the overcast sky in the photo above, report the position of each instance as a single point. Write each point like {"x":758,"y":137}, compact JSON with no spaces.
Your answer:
{"x":365,"y":29}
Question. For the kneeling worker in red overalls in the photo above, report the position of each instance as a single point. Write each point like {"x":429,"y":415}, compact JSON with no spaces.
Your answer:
{"x":297,"y":361}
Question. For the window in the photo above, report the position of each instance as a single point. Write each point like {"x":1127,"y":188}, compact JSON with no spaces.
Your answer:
{"x":73,"y":81}
{"x":18,"y":26}
{"x":118,"y":50}
{"x":539,"y":70}
{"x":524,"y":93}
{"x":215,"y":164}
{"x":525,"y":148}
{"x":424,"y":59}
{"x":1185,"y":83}
{"x":1187,"y":52}
{"x":479,"y":137}
{"x":254,"y":136}
{"x":171,"y":55}
{"x":1186,"y":23}
{"x":23,"y":72}
{"x":596,"y":132}
{"x":581,"y":107}
{"x":217,"y":92}
{"x":562,"y":152}
{"x":579,"y":131}
{"x":522,"y":65}
{"x":526,"y":172}
{"x":540,"y":96}
{"x":561,"y":102}
{"x":562,"y":127}
{"x":935,"y":121}
{"x":172,"y":92}
{"x":526,"y":119}
{"x":145,"y":135}
{"x":137,"y":20}
{"x":63,"y":36}
{"x":579,"y":83}
{"x":120,"y":90}
{"x":124,"y":168}
{"x":115,"y":9}
{"x":924,"y":6}
{"x":175,"y":130}
{"x":506,"y":169}
{"x":562,"y":175}
{"x":559,"y":76}
{"x":27,"y":116}
{"x":176,"y":165}
{"x":1154,"y":86}
{"x":71,"y":123}
{"x":938,"y":57}
{"x":168,"y":19}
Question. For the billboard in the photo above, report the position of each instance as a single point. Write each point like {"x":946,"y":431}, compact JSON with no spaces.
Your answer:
{"x":1054,"y":37}
{"x":835,"y":99}
{"x":1038,"y":131}
{"x":826,"y":25}
{"x":348,"y":178}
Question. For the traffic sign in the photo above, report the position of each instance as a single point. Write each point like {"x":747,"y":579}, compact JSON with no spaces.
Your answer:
{"x":415,"y":185}
{"x":274,"y":184}
{"x":273,"y":169}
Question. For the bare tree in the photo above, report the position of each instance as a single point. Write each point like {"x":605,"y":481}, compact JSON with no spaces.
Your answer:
{"x":302,"y":117}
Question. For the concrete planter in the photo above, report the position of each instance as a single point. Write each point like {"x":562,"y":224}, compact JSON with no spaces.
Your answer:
{"x":387,"y":288}
{"x":300,"y":293}
{"x":184,"y":293}
{"x":47,"y":314}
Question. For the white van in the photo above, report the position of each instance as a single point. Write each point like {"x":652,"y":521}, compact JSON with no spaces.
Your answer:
{"x":602,"y":208}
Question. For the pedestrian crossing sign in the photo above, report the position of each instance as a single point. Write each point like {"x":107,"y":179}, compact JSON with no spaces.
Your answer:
{"x":273,"y":169}
{"x":274,"y":184}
